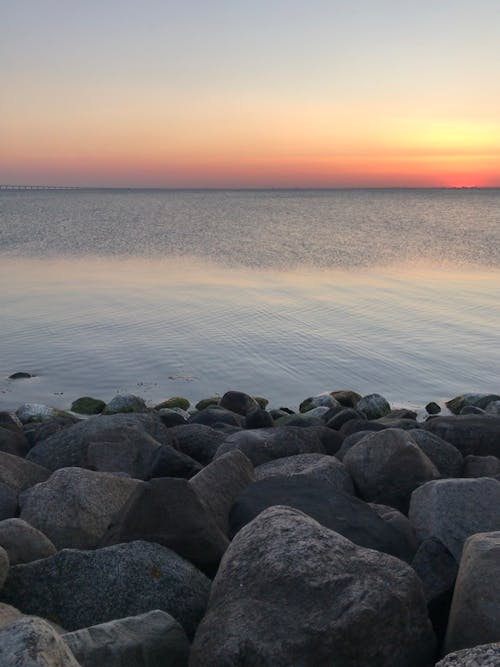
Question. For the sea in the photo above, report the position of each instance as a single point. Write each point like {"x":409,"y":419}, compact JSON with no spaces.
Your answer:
{"x":278,"y":293}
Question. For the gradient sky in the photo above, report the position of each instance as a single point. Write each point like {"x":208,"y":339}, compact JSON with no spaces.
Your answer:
{"x":226,"y":93}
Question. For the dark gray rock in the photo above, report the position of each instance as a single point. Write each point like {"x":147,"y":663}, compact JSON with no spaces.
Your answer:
{"x":400,"y":413}
{"x":168,"y":511}
{"x":198,"y":441}
{"x":69,"y":446}
{"x":401,"y":424}
{"x":334,"y":509}
{"x":8,"y":502}
{"x":399,"y":522}
{"x":78,"y":589}
{"x":207,"y":402}
{"x":481,"y":466}
{"x":220,"y":483}
{"x":10,"y":421}
{"x":4,"y":566}
{"x":174,"y":402}
{"x":291,"y":592}
{"x":355,"y":425}
{"x":320,"y":400}
{"x":471,"y":410}
{"x":131,"y":452}
{"x":217,"y":415}
{"x":168,"y":462}
{"x":153,"y":639}
{"x":258,"y":418}
{"x":346,"y":398}
{"x":432,"y":408}
{"x":74,"y":507}
{"x":317,"y":466}
{"x":470,"y":434}
{"x":35,"y":412}
{"x":373,"y":406}
{"x":447,"y":459}
{"x":239,"y":402}
{"x":13,"y":442}
{"x":453,"y":509}
{"x":24,"y":543}
{"x":125,"y":403}
{"x":337,"y":421}
{"x":493,"y":408}
{"x":475,"y":608}
{"x":265,"y":444}
{"x":86,"y":405}
{"x":350,"y":441}
{"x":171,"y":418}
{"x":20,"y":474}
{"x":20,"y":375}
{"x":32,"y":642}
{"x":37,"y":431}
{"x":304,"y":420}
{"x":475,"y":400}
{"x":486,"y":655}
{"x":387,"y":467}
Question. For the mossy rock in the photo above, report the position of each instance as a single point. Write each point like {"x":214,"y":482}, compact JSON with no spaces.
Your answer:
{"x":263,"y":402}
{"x":208,"y":402}
{"x":86,"y":405}
{"x":174,"y":402}
{"x":346,"y":397}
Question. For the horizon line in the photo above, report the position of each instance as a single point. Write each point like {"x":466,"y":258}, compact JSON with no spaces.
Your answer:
{"x":19,"y":187}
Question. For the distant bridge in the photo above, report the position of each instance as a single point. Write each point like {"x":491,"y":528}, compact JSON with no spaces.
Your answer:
{"x":39,"y":187}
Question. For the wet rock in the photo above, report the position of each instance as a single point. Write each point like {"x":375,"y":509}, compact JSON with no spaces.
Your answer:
{"x":198,"y":441}
{"x":475,"y":608}
{"x":258,"y":418}
{"x":486,"y":655}
{"x":168,"y":462}
{"x":78,"y":589}
{"x":475,"y":400}
{"x":74,"y":507}
{"x":168,"y":511}
{"x":447,"y":459}
{"x":174,"y":402}
{"x":152,"y":639}
{"x":321,"y":400}
{"x":24,"y":543}
{"x":265,"y":444}
{"x":451,"y":510}
{"x":373,"y":406}
{"x":20,"y":376}
{"x":291,"y":592}
{"x":481,"y":466}
{"x":20,"y":474}
{"x":32,"y":642}
{"x":8,"y":502}
{"x":125,"y":403}
{"x":221,"y":482}
{"x":334,"y":509}
{"x":432,"y":408}
{"x":239,"y":402}
{"x":86,"y":405}
{"x":317,"y":466}
{"x":387,"y":467}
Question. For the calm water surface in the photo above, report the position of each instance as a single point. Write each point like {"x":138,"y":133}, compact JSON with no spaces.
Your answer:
{"x":282,"y":293}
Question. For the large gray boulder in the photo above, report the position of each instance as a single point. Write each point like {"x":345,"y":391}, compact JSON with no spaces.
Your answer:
{"x":13,"y":441}
{"x":339,"y":511}
{"x":131,"y":453}
{"x":32,"y":642}
{"x":486,"y":655}
{"x":480,"y":401}
{"x":318,"y":466}
{"x":471,"y":434}
{"x":447,"y":459}
{"x":291,"y":592}
{"x":453,"y":509}
{"x":74,"y":507}
{"x":475,"y":609}
{"x":324,"y":400}
{"x":69,"y":446}
{"x":198,"y":441}
{"x":8,"y":614}
{"x":153,"y":639}
{"x":239,"y":402}
{"x":373,"y":406}
{"x":220,"y":483}
{"x":24,"y":543}
{"x":8,"y":502}
{"x":169,"y":512}
{"x":20,"y":474}
{"x":481,"y":466}
{"x":265,"y":444}
{"x":123,"y":403}
{"x":77,"y":589}
{"x":387,"y":467}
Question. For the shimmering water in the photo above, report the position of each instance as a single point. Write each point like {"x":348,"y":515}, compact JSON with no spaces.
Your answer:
{"x":279,"y":293}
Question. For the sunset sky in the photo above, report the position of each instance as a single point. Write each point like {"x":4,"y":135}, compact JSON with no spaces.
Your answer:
{"x":267,"y":93}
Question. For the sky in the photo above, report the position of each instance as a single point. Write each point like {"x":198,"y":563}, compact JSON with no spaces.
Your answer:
{"x":268,"y":93}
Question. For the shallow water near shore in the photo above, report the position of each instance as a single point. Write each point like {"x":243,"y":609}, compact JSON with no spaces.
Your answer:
{"x":280,"y":294}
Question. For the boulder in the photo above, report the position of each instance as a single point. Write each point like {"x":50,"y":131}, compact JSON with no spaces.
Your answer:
{"x":291,"y":592}
{"x":317,"y":466}
{"x":168,"y":462}
{"x":373,"y":406}
{"x":174,"y":402}
{"x":349,"y":442}
{"x":387,"y":467}
{"x":198,"y":441}
{"x":481,"y":466}
{"x":86,"y":405}
{"x":239,"y":402}
{"x":265,"y":444}
{"x":471,"y":434}
{"x":207,"y":402}
{"x":475,"y":608}
{"x":471,"y":410}
{"x":486,"y":655}
{"x":153,"y":639}
{"x":261,"y":401}
{"x":220,"y":483}
{"x":432,"y":408}
{"x":20,"y":474}
{"x":74,"y":507}
{"x":168,"y":511}
{"x":171,"y":417}
{"x":20,"y":375}
{"x":36,"y":412}
{"x":453,"y":509}
{"x":334,"y":509}
{"x":355,"y":425}
{"x":4,"y":566}
{"x":24,"y":543}
{"x":474,"y":400}
{"x":69,"y":446}
{"x":493,"y":408}
{"x":8,"y":614}
{"x":10,"y":421}
{"x":337,"y":421}
{"x":258,"y":418}
{"x":347,"y":398}
{"x":8,"y":502}
{"x":399,"y":522}
{"x":37,"y":431}
{"x":400,"y":413}
{"x":217,"y":415}
{"x":447,"y":459}
{"x":32,"y":642}
{"x":78,"y":589}
{"x":131,"y":453}
{"x":125,"y":403}
{"x":13,"y":442}
{"x":303,"y":420}
{"x":320,"y":400}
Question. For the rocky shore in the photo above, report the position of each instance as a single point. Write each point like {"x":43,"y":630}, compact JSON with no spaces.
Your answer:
{"x":346,"y":534}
